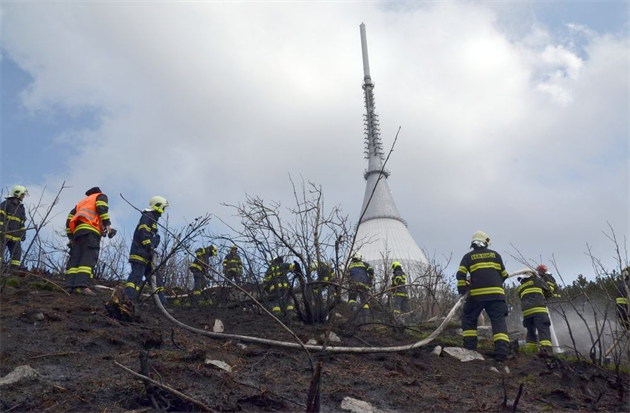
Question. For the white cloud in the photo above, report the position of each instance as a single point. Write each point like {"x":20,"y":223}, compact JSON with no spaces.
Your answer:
{"x":201,"y":102}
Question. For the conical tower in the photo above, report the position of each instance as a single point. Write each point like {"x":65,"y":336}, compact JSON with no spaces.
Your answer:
{"x":382,"y":235}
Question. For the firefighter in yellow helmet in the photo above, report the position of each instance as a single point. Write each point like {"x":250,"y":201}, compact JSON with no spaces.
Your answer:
{"x":12,"y":226}
{"x":400,"y":294}
{"x":487,"y":274}
{"x":199,"y":269}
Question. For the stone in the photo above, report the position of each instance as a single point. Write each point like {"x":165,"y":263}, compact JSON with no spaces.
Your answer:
{"x":506,"y":369}
{"x":18,"y":375}
{"x":494,"y":369}
{"x":437,"y":350}
{"x":218,"y":326}
{"x":311,"y":342}
{"x":222,"y":365}
{"x":463,"y":354}
{"x":356,"y":406}
{"x":332,"y":338}
{"x":241,"y":346}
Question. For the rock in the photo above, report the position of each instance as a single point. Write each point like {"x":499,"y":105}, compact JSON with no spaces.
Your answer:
{"x":241,"y":346}
{"x":220,"y":365}
{"x":311,"y":342}
{"x":494,"y":369}
{"x":332,"y":337}
{"x":437,"y":350}
{"x":338,"y":315}
{"x":19,"y":374}
{"x":40,"y":317}
{"x":356,"y":406}
{"x":218,"y":326}
{"x":506,"y":369}
{"x":463,"y":354}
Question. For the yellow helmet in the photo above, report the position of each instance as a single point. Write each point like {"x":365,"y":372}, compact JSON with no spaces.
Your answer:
{"x":357,"y":256}
{"x":158,"y":203}
{"x":395,"y":265}
{"x":18,"y":190}
{"x":481,"y":237}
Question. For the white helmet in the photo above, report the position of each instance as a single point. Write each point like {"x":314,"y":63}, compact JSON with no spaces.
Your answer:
{"x":17,"y":191}
{"x":357,"y":256}
{"x":481,"y":239}
{"x":158,"y":203}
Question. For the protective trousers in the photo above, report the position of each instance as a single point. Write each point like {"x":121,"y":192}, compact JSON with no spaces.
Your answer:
{"x":234,"y":276}
{"x":537,"y":323}
{"x":281,"y":302}
{"x":138,"y":271}
{"x":401,"y":303}
{"x":200,"y":281}
{"x":83,"y":258}
{"x":360,"y":290}
{"x":15,"y":252}
{"x":497,"y":310}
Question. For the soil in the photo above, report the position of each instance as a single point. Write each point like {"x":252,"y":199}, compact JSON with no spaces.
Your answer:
{"x":73,"y":343}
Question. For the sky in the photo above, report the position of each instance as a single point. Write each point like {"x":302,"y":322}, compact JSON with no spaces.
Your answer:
{"x":514,"y":116}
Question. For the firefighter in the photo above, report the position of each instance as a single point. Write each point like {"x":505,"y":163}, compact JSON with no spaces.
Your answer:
{"x":361,"y":277}
{"x":12,"y":226}
{"x":199,"y":269}
{"x":621,"y":301}
{"x":277,"y":287}
{"x":543,"y":272}
{"x":487,"y":274}
{"x":534,"y":292}
{"x":86,"y":224}
{"x":233,"y":266}
{"x":324,"y":273}
{"x":401,"y":295}
{"x":145,"y":241}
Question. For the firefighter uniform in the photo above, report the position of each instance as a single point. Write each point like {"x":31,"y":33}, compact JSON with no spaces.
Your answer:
{"x":487,"y":274}
{"x":12,"y":230}
{"x":621,"y":299}
{"x":233,"y":266}
{"x":145,"y":240}
{"x":400,"y":294}
{"x":277,"y":287}
{"x":361,"y":275}
{"x":199,"y":269}
{"x":84,"y":227}
{"x":534,"y":292}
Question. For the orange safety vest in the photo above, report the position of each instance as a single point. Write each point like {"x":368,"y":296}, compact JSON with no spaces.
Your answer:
{"x":86,"y":216}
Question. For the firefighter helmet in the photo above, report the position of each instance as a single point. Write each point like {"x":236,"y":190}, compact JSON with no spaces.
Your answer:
{"x":17,"y":191}
{"x":357,"y":256}
{"x":481,"y":238}
{"x":158,"y":203}
{"x":277,"y":260}
{"x":213,"y":250}
{"x":542,"y":269}
{"x":395,"y":265}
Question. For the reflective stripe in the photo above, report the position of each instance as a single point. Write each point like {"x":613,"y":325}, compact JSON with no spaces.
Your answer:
{"x":143,"y":226}
{"x":132,"y":285}
{"x":104,"y":217}
{"x":275,"y":309}
{"x":481,"y":265}
{"x":86,"y":226}
{"x":197,"y":292}
{"x":193,"y":265}
{"x":138,"y":258}
{"x":102,"y":203}
{"x":500,"y":336}
{"x":532,"y":290}
{"x":535,"y":310}
{"x":545,"y":343}
{"x":461,"y":283}
{"x":504,"y":274}
{"x":469,"y":333}
{"x":367,"y":306}
{"x":12,"y":218}
{"x":488,"y":290}
{"x":15,"y":262}
{"x":622,"y":301}
{"x":84,"y":269}
{"x":352,"y":301}
{"x":159,"y":289}
{"x":289,"y":307}
{"x":400,"y":295}
{"x":146,"y":242}
{"x":12,"y":238}
{"x":463,"y":269}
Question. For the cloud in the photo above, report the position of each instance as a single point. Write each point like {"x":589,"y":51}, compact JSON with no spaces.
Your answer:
{"x":523,"y":137}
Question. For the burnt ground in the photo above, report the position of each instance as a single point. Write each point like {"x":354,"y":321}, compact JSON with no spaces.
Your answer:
{"x":73,"y":343}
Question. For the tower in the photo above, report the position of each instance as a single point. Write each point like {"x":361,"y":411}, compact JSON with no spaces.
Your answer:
{"x":382,"y":234}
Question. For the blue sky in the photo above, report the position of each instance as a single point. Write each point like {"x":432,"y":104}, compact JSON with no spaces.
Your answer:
{"x":194,"y":112}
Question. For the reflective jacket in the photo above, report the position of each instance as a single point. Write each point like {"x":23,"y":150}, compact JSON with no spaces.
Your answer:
{"x":400,"y":280}
{"x":202,"y":259}
{"x":232,"y":263}
{"x":12,"y":219}
{"x":622,"y":293}
{"x":361,"y":272}
{"x":324,"y":272}
{"x":145,"y":238}
{"x":551,"y":283}
{"x":89,"y":216}
{"x":533,"y":292}
{"x":276,"y":276}
{"x":487,"y":274}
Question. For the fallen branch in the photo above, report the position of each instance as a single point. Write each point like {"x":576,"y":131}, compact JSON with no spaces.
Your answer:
{"x":67,"y":353}
{"x":167,"y":388}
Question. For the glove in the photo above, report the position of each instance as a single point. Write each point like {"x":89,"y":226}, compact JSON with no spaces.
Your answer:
{"x":296,"y":267}
{"x":24,"y":237}
{"x":112,"y":233}
{"x":157,"y":240}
